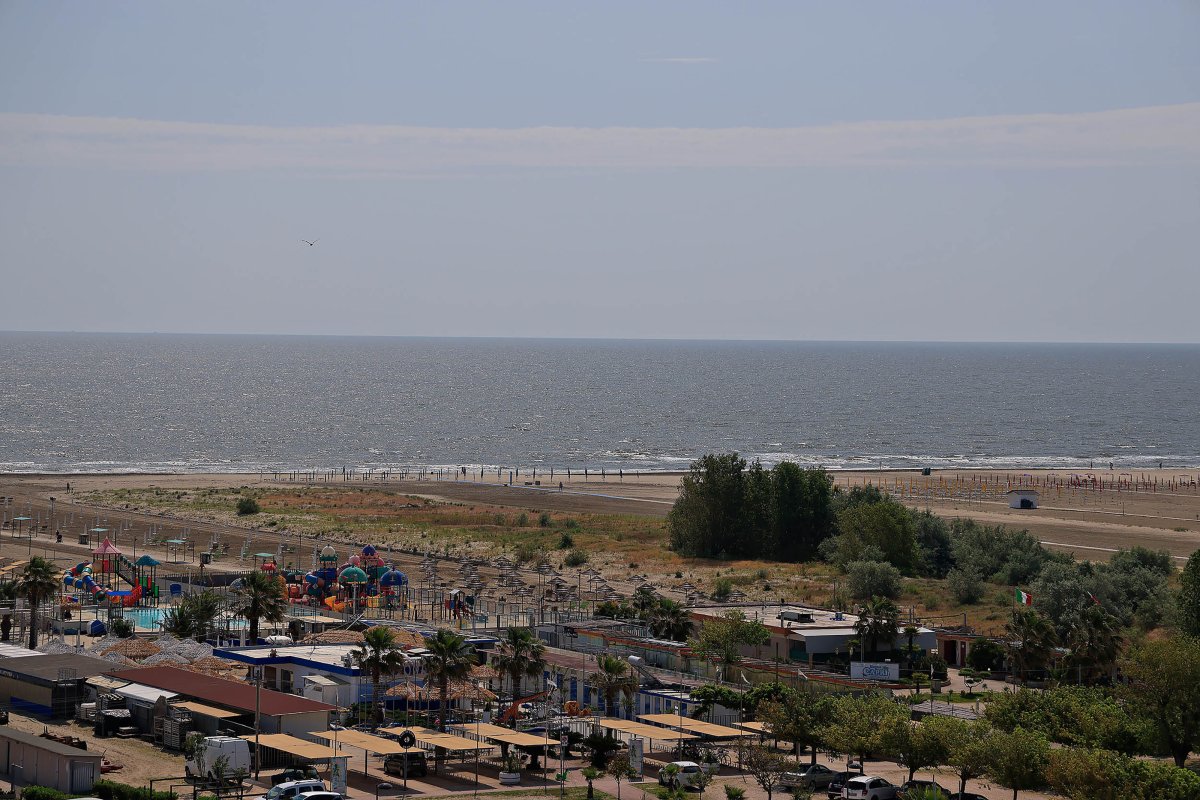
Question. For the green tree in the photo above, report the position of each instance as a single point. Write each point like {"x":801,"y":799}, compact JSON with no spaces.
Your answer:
{"x":1163,"y":684}
{"x":1084,"y":774}
{"x":194,"y":616}
{"x":520,"y":654}
{"x":877,"y":623}
{"x":722,"y":639}
{"x":619,"y":769}
{"x":37,"y":585}
{"x":613,"y":678}
{"x":1031,"y":640}
{"x":966,"y":745}
{"x":885,"y":525}
{"x":801,"y":510}
{"x":262,"y":596}
{"x":870,"y":578}
{"x":1189,"y":596}
{"x":800,"y":717}
{"x":379,"y":654}
{"x":765,"y":765}
{"x":670,"y":620}
{"x":450,"y":658}
{"x":913,"y":745}
{"x":858,"y":723}
{"x":985,"y":655}
{"x":1095,"y":643}
{"x":1019,"y":760}
{"x":708,"y":517}
{"x":590,"y":774}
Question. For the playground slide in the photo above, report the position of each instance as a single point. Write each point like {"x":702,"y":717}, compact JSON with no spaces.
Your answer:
{"x":80,"y":577}
{"x":334,"y":605}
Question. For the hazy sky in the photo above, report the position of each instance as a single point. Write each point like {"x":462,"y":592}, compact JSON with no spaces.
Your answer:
{"x":962,"y":171}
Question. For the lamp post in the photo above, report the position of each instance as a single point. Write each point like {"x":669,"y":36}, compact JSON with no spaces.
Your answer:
{"x":679,"y":732}
{"x":258,"y":671}
{"x":381,"y":787}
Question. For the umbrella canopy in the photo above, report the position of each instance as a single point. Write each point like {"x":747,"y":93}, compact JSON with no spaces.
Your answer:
{"x":393,"y":577}
{"x":135,"y":649}
{"x":147,"y":561}
{"x":352,"y":575}
{"x":457,"y":690}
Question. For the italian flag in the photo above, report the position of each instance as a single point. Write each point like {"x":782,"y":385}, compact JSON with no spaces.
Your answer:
{"x":1024,"y":598}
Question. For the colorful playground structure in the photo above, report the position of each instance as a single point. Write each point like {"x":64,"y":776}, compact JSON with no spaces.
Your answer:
{"x":109,"y":565}
{"x":364,"y":580}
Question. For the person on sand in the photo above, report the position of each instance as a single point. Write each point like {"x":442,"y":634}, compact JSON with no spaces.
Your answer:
{"x":560,"y":486}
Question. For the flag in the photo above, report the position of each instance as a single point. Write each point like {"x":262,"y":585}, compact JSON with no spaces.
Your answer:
{"x":1024,"y":598}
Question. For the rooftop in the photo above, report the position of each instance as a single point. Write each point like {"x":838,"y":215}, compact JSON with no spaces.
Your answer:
{"x":218,"y":691}
{"x":58,"y":748}
{"x":47,"y":667}
{"x":800,"y":619}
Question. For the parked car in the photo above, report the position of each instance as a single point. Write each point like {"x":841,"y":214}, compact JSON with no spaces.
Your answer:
{"x":967,"y":796}
{"x":308,"y":772}
{"x":814,"y":776}
{"x":417,"y":765}
{"x":836,"y":783}
{"x":919,"y":784}
{"x":319,"y":796}
{"x":869,"y":787}
{"x":687,"y":776}
{"x":289,"y":789}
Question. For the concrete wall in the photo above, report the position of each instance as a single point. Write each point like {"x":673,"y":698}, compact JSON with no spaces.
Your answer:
{"x":298,"y":725}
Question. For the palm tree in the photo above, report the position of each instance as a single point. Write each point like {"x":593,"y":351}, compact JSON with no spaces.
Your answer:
{"x":261,"y":597}
{"x":613,"y":677}
{"x":877,"y":622}
{"x":194,"y":615}
{"x":37,"y":583}
{"x":450,"y":659}
{"x":1095,"y":643}
{"x":1031,"y":638}
{"x":644,"y":602}
{"x":521,"y":654}
{"x":670,"y":620}
{"x":378,"y":654}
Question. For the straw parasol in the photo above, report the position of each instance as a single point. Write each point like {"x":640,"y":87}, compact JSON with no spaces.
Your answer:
{"x":457,"y":690}
{"x":334,"y":637}
{"x":482,"y":672}
{"x":135,"y":649}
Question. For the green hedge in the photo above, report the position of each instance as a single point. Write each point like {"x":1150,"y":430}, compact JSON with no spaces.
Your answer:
{"x":111,"y":790}
{"x":43,"y":793}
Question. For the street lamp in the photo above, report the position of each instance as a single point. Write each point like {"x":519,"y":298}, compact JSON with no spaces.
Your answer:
{"x":382,"y":787}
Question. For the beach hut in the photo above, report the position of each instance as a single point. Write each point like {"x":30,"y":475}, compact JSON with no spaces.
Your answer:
{"x":1022,"y":498}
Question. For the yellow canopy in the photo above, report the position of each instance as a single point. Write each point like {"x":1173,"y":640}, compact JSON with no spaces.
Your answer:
{"x":290,"y":744}
{"x":694,"y":725}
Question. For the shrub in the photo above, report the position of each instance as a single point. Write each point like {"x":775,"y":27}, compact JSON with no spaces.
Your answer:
{"x":544,"y":519}
{"x":247,"y":506}
{"x":121,"y":627}
{"x":43,"y":793}
{"x":571,"y":524}
{"x":985,"y":655}
{"x":576,"y":558}
{"x":868,"y":579}
{"x":499,"y":520}
{"x":722,"y":589}
{"x":966,"y":585}
{"x":112,"y":790}
{"x":566,"y":541}
{"x":522,"y":520}
{"x":527,"y":551}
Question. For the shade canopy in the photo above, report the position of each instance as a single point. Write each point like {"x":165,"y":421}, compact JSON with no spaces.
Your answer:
{"x":352,"y":575}
{"x":147,"y":561}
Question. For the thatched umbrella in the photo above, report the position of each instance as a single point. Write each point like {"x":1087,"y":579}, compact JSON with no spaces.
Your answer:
{"x":135,"y":649}
{"x":334,"y":637}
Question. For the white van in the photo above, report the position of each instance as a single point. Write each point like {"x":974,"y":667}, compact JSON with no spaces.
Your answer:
{"x":228,"y":756}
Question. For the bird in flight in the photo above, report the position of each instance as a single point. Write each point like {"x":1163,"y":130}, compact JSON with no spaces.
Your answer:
{"x":310,"y":244}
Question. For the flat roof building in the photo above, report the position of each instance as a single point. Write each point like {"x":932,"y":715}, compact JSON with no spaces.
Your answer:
{"x":48,"y":685}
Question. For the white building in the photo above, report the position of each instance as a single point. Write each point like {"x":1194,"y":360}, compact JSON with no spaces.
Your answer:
{"x":1022,"y":498}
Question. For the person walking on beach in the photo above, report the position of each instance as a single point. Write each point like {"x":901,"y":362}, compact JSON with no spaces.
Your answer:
{"x":560,"y":486}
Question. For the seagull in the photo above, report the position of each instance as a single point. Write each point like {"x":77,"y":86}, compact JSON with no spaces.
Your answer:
{"x":310,"y":244}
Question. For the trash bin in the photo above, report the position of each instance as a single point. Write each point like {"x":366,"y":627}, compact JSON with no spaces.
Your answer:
{"x":205,"y":558}
{"x":926,"y":471}
{"x":83,"y":538}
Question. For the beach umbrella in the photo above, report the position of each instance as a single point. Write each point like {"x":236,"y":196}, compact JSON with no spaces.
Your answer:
{"x":136,"y":649}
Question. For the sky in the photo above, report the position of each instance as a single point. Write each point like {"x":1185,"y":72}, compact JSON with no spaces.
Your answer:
{"x":1006,"y":171}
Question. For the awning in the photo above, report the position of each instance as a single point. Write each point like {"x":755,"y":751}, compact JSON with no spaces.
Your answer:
{"x":448,"y":741}
{"x":324,"y":680}
{"x":645,"y":731}
{"x":144,"y":694}
{"x":757,"y":727}
{"x":506,"y":735}
{"x":363,"y":741}
{"x":695,"y":726}
{"x":207,"y":711}
{"x":290,"y":744}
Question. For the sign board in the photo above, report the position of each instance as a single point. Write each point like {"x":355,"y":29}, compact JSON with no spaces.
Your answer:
{"x":407,"y":739}
{"x":875,"y":670}
{"x":636,"y":753}
{"x":337,"y":776}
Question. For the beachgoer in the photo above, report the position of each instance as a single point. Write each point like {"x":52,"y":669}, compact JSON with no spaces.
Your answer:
{"x":560,"y":486}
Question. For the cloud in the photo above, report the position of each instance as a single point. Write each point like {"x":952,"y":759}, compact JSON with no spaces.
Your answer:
{"x":1150,"y":136}
{"x":681,"y":60}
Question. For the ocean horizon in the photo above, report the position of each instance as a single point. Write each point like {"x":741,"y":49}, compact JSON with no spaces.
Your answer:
{"x":178,"y":403}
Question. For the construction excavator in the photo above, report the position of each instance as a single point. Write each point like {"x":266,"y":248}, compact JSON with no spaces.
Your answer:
{"x":510,"y":713}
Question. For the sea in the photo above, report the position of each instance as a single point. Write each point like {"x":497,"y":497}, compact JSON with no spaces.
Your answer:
{"x":73,"y":402}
